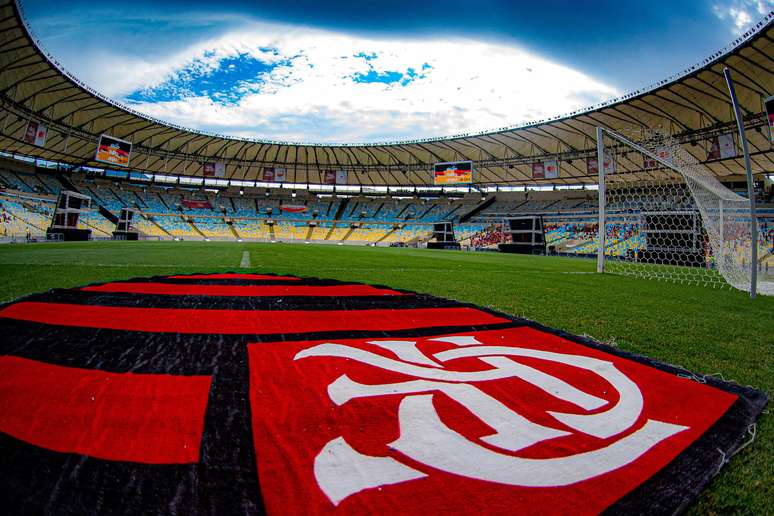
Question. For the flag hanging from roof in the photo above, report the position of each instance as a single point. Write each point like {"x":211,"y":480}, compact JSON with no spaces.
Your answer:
{"x":274,"y":174}
{"x":36,"y":133}
{"x":722,"y":147}
{"x":551,"y":169}
{"x":592,"y":164}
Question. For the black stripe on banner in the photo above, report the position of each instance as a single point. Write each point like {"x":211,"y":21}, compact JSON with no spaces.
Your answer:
{"x":40,"y":481}
{"x":93,"y":298}
{"x":228,"y":479}
{"x":300,"y":281}
{"x":164,"y":353}
{"x":240,"y":282}
{"x":118,"y":351}
{"x":674,"y":487}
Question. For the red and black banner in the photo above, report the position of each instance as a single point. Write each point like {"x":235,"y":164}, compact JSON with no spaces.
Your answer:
{"x":196,"y":204}
{"x":252,"y":393}
{"x":293,"y":208}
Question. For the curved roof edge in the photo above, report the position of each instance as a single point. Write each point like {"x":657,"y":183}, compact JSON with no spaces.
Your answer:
{"x":691,"y":106}
{"x":713,"y":58}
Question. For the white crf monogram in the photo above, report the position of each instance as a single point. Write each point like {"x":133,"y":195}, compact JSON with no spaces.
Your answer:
{"x":342,"y":471}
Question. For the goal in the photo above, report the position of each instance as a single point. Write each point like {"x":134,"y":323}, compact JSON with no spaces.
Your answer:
{"x":666,"y":217}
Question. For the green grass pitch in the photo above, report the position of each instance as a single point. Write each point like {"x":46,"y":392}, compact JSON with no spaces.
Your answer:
{"x":709,"y":331}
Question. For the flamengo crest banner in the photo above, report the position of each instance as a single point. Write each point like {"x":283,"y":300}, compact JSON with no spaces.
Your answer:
{"x":36,"y":133}
{"x":251,"y":393}
{"x":113,"y":151}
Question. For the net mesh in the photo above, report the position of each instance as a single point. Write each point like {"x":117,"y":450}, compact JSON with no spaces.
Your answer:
{"x":678,"y":222}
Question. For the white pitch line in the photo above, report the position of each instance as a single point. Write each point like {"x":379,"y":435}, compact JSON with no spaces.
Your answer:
{"x":245,"y":263}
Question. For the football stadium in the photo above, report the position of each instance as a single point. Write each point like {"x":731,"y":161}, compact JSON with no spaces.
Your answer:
{"x":571,"y":315}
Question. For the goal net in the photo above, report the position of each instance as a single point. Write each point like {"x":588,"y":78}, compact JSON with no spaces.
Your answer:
{"x":666,"y":217}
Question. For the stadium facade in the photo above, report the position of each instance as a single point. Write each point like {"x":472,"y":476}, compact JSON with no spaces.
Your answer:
{"x":191,"y":388}
{"x":57,"y":134}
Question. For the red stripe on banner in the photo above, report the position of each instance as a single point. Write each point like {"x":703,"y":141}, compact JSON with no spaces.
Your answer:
{"x":240,"y":290}
{"x":177,"y":320}
{"x":231,"y":275}
{"x":148,"y":418}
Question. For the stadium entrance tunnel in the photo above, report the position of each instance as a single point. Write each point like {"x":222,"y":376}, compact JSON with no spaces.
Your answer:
{"x":253,"y":393}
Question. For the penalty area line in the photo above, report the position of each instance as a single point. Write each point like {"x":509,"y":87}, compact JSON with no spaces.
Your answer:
{"x":245,"y":263}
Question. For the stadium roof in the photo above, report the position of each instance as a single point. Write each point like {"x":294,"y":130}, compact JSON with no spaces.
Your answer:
{"x":693,"y":106}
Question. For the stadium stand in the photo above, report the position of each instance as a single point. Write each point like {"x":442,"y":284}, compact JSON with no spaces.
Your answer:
{"x":167,"y":213}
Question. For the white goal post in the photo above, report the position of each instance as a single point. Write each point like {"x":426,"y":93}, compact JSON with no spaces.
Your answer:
{"x":662,"y":215}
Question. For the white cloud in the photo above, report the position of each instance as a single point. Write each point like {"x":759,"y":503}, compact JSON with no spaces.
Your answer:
{"x":742,"y":13}
{"x":311,"y":95}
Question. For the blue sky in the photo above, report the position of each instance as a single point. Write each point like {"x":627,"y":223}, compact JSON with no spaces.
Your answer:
{"x":373,"y":71}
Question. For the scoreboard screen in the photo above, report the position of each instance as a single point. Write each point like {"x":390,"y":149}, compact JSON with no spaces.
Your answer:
{"x":113,"y":151}
{"x":453,"y":173}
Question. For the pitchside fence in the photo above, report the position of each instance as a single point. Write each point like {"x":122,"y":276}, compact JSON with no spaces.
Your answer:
{"x":666,"y":217}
